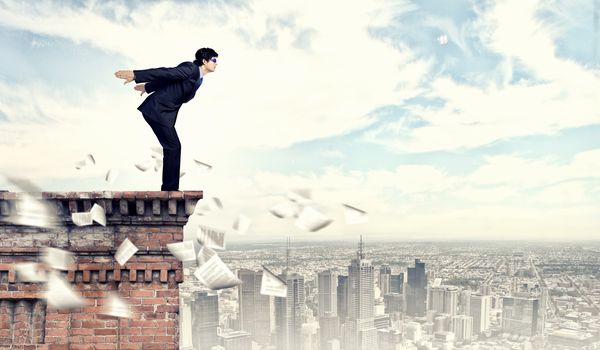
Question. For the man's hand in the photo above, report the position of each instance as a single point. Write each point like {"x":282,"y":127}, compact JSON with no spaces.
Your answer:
{"x":125,"y":74}
{"x":140,"y":87}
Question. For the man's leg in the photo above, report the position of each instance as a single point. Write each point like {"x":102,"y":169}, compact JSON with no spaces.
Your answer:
{"x":167,"y":136}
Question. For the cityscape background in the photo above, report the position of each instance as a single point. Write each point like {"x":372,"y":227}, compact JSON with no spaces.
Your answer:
{"x":402,"y":296}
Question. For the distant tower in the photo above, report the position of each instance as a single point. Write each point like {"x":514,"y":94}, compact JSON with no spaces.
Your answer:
{"x":385,"y":272}
{"x":416,"y":291}
{"x":451,"y":296}
{"x":206,"y":320}
{"x":255,"y":308}
{"x":342,"y":298}
{"x":480,"y":311}
{"x":361,"y":333}
{"x":520,"y":315}
{"x":288,"y":311}
{"x":328,"y":320}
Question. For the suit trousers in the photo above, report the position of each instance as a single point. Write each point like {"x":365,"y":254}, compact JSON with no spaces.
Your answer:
{"x":167,"y":136}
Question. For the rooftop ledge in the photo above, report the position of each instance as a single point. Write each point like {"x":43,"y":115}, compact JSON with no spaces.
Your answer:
{"x":127,"y":207}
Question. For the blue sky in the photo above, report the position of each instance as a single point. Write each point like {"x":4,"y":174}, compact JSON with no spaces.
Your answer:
{"x":494,"y":134}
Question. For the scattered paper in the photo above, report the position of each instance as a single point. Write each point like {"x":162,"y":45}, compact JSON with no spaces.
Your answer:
{"x":204,"y":206}
{"x":204,"y":255}
{"x":272,"y":285}
{"x":354,"y":215}
{"x":311,"y":220}
{"x":125,"y":252}
{"x":60,"y":295}
{"x":111,"y":176}
{"x":115,"y":306}
{"x":157,"y":150}
{"x":98,"y":214}
{"x":216,"y":275}
{"x":241,"y":224}
{"x":30,"y":272}
{"x":82,"y":219}
{"x":181,"y":174}
{"x":89,"y":159}
{"x":285,"y":209}
{"x":211,"y":237}
{"x":301,"y":196}
{"x":442,"y":39}
{"x":33,"y":212}
{"x":57,"y":258}
{"x":202,"y":165}
{"x":183,"y":251}
{"x":145,"y":165}
{"x":158,"y":165}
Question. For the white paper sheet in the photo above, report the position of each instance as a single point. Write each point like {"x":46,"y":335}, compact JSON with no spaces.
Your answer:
{"x":111,"y":176}
{"x":98,"y":214}
{"x":125,"y":252}
{"x":82,"y":219}
{"x":241,"y":224}
{"x":272,"y":285}
{"x":202,"y":165}
{"x":355,"y":216}
{"x":57,"y":258}
{"x":116,"y":306}
{"x":30,"y":272}
{"x":204,"y":255}
{"x":312,"y":220}
{"x":60,"y":295}
{"x":183,"y":251}
{"x":211,"y":237}
{"x":145,"y":165}
{"x":215,"y":275}
{"x":285,"y":209}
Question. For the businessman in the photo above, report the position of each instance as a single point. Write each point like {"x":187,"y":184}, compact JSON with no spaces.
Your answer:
{"x":169,"y":88}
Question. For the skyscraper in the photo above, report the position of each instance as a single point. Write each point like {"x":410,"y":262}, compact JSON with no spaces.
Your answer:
{"x":464,"y":306}
{"x":385,"y":272}
{"x":416,"y":292}
{"x":342,"y":298}
{"x":361,"y":333}
{"x":255,"y":308}
{"x":397,"y":283}
{"x":451,"y":300}
{"x":205,"y":320}
{"x":462,"y":326}
{"x":288,"y":313}
{"x":238,"y":340}
{"x":520,"y":315}
{"x":480,"y":311}
{"x":328,"y":304}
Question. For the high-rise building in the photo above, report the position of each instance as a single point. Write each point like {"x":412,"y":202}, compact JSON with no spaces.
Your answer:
{"x":385,"y":272}
{"x":288,"y":313}
{"x":413,"y":331}
{"x":480,"y":311}
{"x":416,"y":291}
{"x":397,"y":283}
{"x":462,"y":326}
{"x":393,"y":302}
{"x":436,"y":299}
{"x":255,"y":308}
{"x":328,"y":303}
{"x":205,"y":320}
{"x":361,"y":333}
{"x":451,"y":296}
{"x":342,"y":298}
{"x":327,"y":286}
{"x":236,"y":340}
{"x":464,"y":305}
{"x":520,"y":315}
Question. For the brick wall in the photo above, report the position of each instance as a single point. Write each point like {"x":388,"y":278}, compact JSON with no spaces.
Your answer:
{"x":148,"y":281}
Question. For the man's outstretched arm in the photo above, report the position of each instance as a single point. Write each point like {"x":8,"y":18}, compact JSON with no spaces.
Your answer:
{"x":164,"y":75}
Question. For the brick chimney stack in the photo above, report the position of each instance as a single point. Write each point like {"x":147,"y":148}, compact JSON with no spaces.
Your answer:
{"x":148,"y":281}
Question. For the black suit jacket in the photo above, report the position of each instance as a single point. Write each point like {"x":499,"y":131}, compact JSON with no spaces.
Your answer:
{"x":169,"y":88}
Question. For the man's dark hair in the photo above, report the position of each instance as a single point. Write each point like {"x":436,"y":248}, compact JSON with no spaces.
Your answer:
{"x":205,"y":53}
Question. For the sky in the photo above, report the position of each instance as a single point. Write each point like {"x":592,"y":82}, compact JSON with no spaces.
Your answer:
{"x":445,"y":120}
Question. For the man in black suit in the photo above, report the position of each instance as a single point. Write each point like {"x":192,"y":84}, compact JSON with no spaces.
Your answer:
{"x":169,"y":88}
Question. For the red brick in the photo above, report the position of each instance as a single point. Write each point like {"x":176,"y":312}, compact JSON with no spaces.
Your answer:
{"x":154,"y":331}
{"x":143,"y":293}
{"x":153,"y":301}
{"x":106,"y":331}
{"x":57,"y":332}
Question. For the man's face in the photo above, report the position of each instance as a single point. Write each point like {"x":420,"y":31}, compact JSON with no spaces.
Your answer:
{"x":211,"y":64}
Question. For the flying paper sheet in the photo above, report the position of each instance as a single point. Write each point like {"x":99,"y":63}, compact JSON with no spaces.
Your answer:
{"x":57,"y":258}
{"x":117,"y":307}
{"x":204,"y":255}
{"x":285,"y":209}
{"x":98,"y":214}
{"x":30,"y":272}
{"x":272,"y":285}
{"x":311,"y":220}
{"x":111,"y":176}
{"x":157,"y":150}
{"x":202,"y":165}
{"x":183,"y":251}
{"x":60,"y":295}
{"x":354,"y":215}
{"x":158,"y":165}
{"x":211,"y":237}
{"x":82,"y":219}
{"x":145,"y":165}
{"x":125,"y":252}
{"x":300,"y":196}
{"x":241,"y":224}
{"x":89,"y":159}
{"x":31,"y":211}
{"x":204,"y":206}
{"x":216,"y":275}
{"x":181,"y":174}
